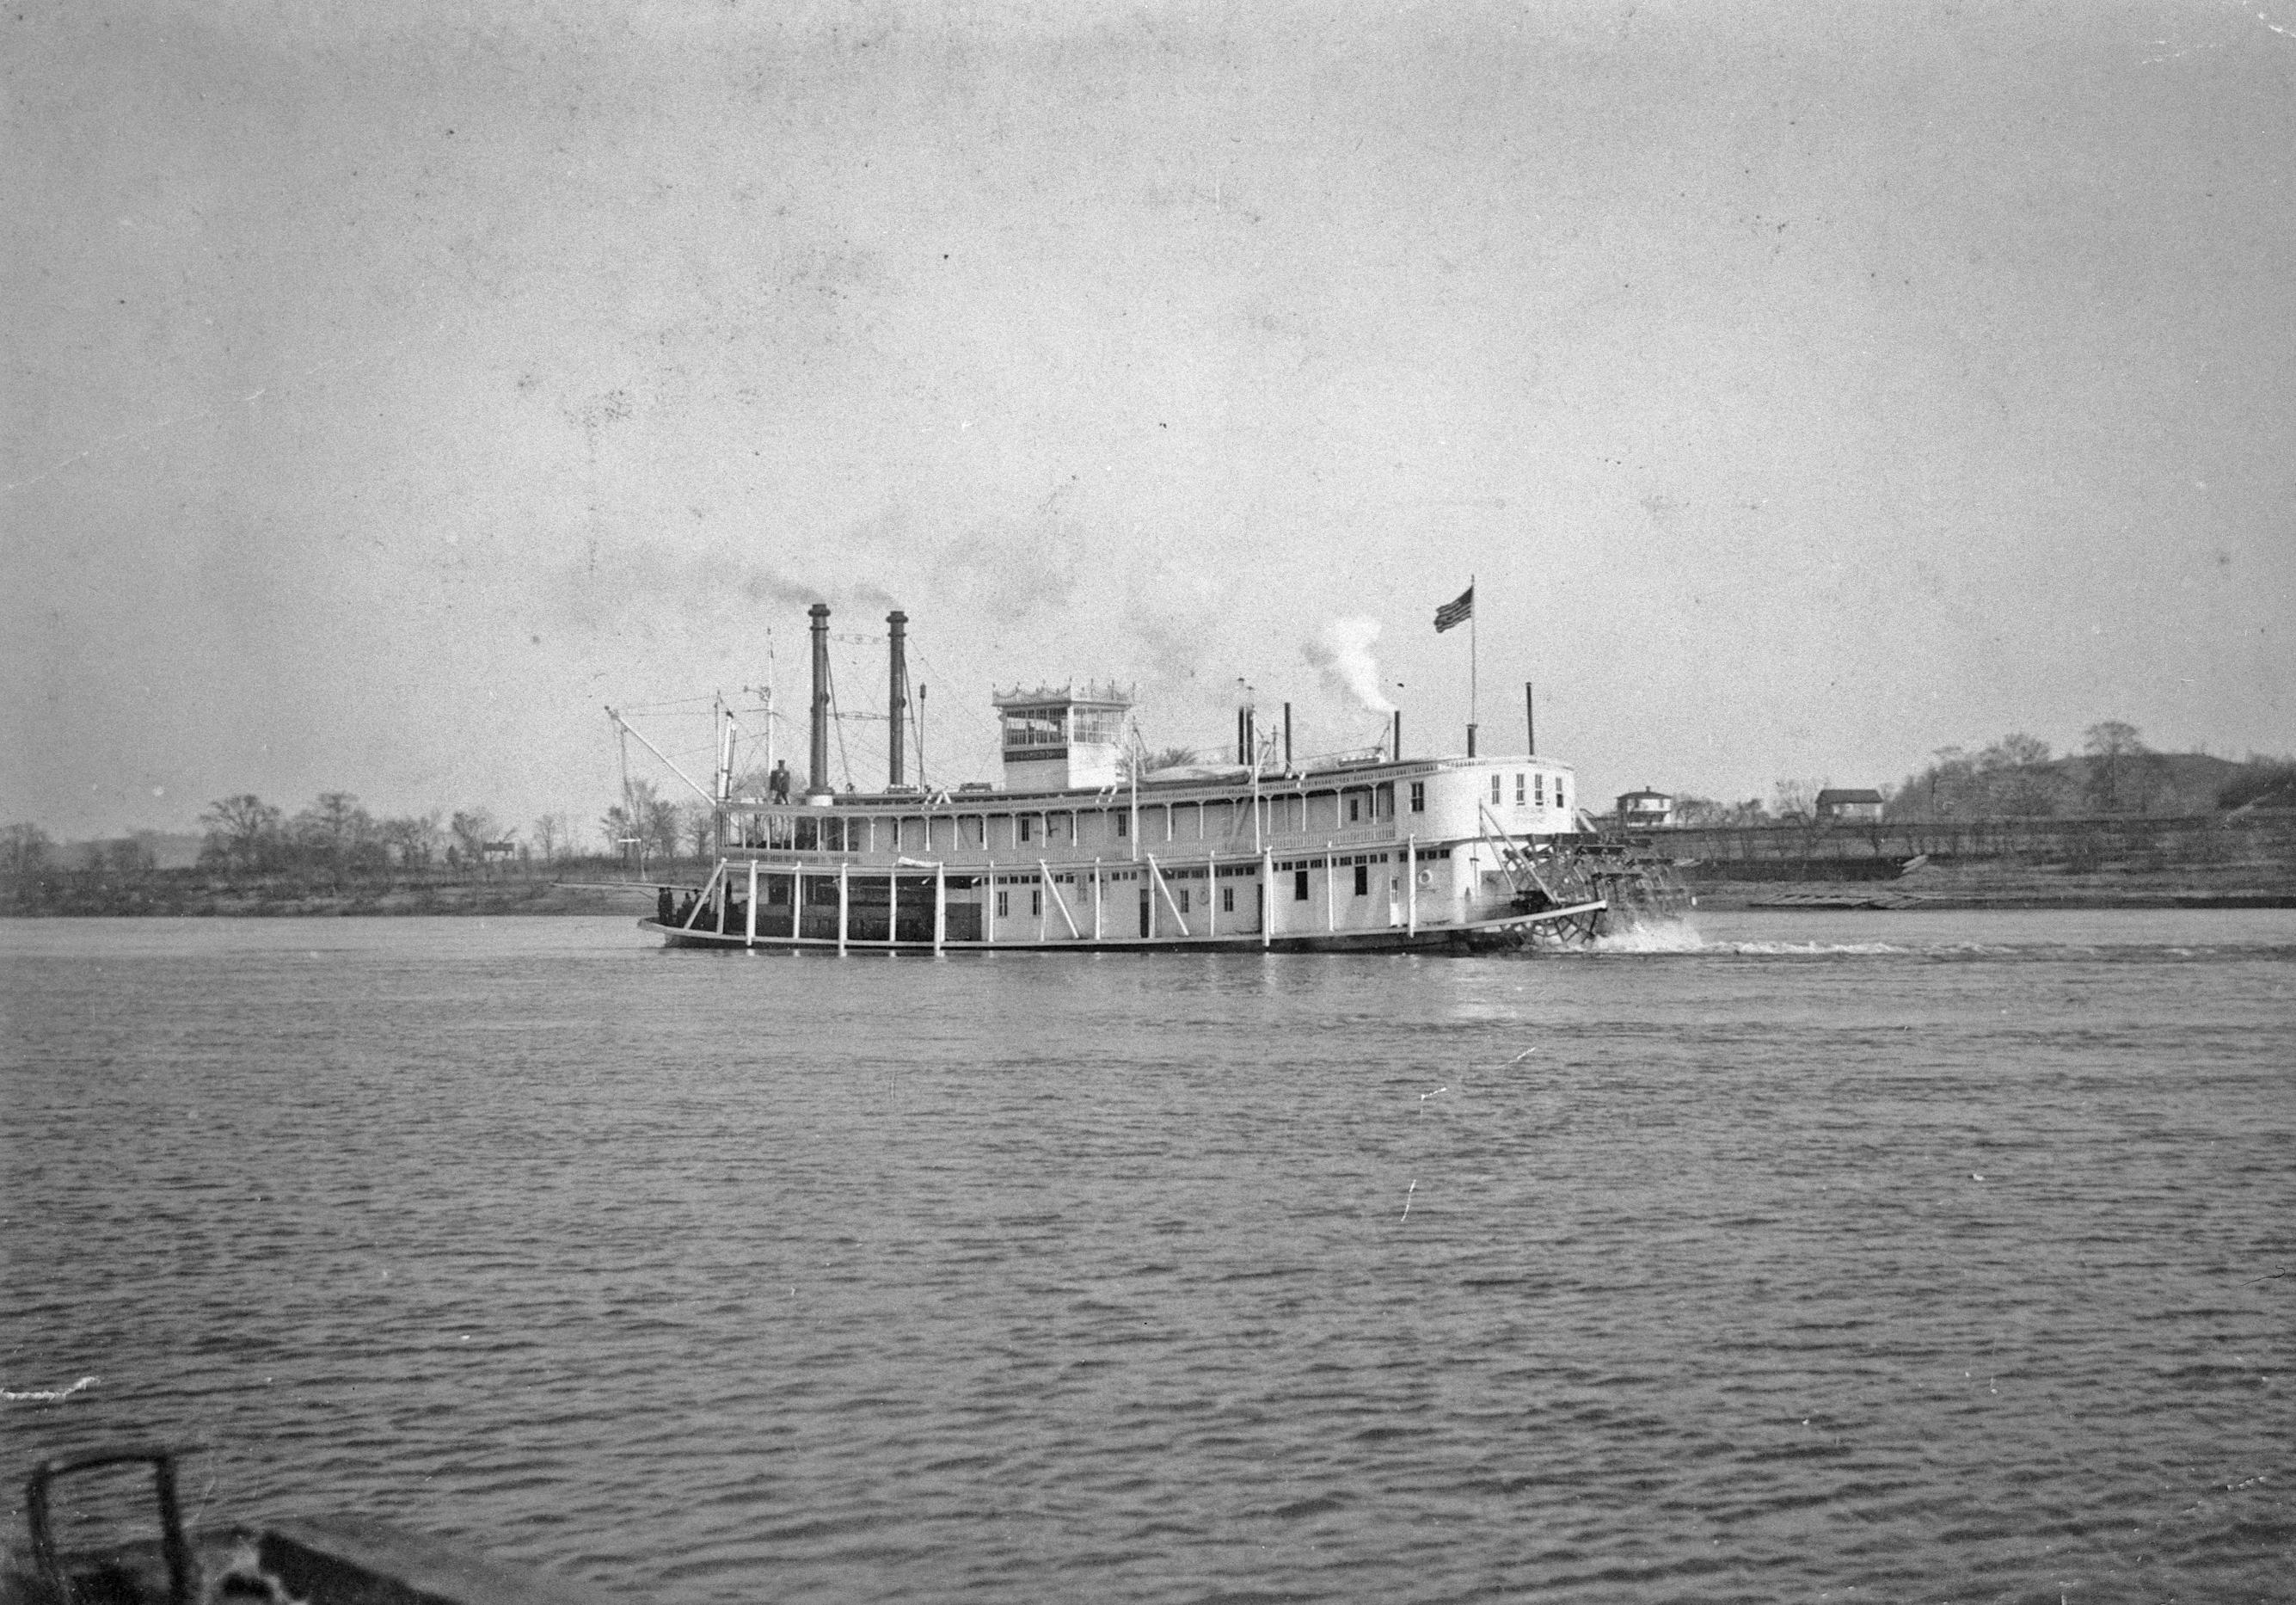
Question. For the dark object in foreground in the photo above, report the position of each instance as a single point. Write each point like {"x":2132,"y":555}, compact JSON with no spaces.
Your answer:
{"x":309,"y":1561}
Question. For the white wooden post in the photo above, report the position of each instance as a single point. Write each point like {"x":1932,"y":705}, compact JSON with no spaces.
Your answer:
{"x":749,"y":936}
{"x":844,"y":901}
{"x":893,"y":904}
{"x":1211,"y":898}
{"x":940,"y":900}
{"x":1095,"y":900}
{"x":1156,"y":876}
{"x":989,"y":913}
{"x":1267,"y":896}
{"x":1332,"y":880}
{"x":1053,"y":891}
{"x":1411,"y":884}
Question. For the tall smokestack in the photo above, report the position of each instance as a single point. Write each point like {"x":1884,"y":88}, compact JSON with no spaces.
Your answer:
{"x":898,"y":622}
{"x":817,"y":786}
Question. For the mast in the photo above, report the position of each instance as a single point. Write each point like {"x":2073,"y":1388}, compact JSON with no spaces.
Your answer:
{"x":897,"y":623}
{"x":817,"y":788}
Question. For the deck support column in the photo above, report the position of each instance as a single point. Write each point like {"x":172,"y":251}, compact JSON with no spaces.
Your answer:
{"x":1095,"y":900}
{"x":1211,"y":898}
{"x":844,"y":901}
{"x":749,"y":936}
{"x":1330,"y":883}
{"x":1411,"y":884}
{"x":940,"y":900}
{"x":1267,"y":889}
{"x":988,"y":911}
{"x":893,"y":897}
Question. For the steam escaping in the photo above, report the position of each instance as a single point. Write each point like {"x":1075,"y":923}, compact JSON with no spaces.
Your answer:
{"x":1342,"y":652}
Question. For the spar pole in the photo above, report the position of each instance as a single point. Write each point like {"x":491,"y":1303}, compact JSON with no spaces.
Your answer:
{"x":1472,"y":599}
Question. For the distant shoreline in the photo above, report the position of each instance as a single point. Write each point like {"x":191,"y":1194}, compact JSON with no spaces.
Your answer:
{"x":2012,"y":890}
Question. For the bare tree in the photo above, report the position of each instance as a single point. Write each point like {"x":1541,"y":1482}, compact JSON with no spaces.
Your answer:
{"x":550,"y":834}
{"x":2116,"y":750}
{"x":699,"y":822}
{"x":622,"y":831}
{"x":1789,"y":798}
{"x":472,"y":828}
{"x":414,"y":837}
{"x":244,"y":831}
{"x":660,"y":824}
{"x":24,"y":850}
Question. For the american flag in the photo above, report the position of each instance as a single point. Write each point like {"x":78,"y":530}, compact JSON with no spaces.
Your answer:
{"x":1457,"y":611}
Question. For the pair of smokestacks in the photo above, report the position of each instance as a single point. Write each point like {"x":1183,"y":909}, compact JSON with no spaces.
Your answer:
{"x":817,"y":788}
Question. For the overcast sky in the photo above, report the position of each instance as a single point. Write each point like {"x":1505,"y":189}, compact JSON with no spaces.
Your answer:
{"x":1806,"y":387}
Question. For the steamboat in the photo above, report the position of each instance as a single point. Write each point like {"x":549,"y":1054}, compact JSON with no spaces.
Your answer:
{"x":1079,"y":850}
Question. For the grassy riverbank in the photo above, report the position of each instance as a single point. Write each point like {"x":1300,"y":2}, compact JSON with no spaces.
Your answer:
{"x":2019,"y":864}
{"x":200,"y":893}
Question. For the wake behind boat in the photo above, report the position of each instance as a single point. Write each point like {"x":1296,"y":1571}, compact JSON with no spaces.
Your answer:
{"x":1077,"y":850}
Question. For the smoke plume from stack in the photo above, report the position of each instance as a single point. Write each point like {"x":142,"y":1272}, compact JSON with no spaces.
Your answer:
{"x":1342,"y":652}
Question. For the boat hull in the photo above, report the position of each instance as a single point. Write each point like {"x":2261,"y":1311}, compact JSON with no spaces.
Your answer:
{"x":1572,"y":926}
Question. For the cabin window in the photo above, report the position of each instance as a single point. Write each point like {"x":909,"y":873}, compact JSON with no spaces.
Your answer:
{"x":1519,"y":783}
{"x":1419,"y":796}
{"x":1123,"y":825}
{"x":1354,"y":810}
{"x":1004,"y":909}
{"x":1538,"y":790}
{"x":1020,"y":823}
{"x":1382,"y":799}
{"x":1183,"y":900}
{"x":1495,"y":791}
{"x":1228,"y":899}
{"x":1299,"y":885}
{"x":1027,"y":727}
{"x":808,"y":835}
{"x":1363,"y":880}
{"x":1558,"y":791}
{"x":1037,"y":903}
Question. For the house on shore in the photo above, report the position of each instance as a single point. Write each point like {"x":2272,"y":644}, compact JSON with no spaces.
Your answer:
{"x":1846,"y":805}
{"x":1638,"y":809}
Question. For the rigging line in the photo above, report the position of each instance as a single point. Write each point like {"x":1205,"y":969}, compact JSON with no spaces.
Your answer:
{"x":836,"y":723}
{"x":968,"y":712}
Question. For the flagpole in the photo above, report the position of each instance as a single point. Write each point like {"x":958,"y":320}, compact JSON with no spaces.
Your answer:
{"x":1470,"y":666}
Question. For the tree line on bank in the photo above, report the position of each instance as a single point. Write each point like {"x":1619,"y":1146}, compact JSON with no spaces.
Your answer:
{"x":334,"y":838}
{"x":2020,"y":776}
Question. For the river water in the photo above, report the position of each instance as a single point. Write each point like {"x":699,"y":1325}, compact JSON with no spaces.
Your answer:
{"x":1795,"y":1257}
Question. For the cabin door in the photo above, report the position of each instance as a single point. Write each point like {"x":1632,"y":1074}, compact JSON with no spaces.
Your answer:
{"x":1147,"y":913}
